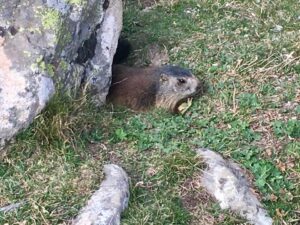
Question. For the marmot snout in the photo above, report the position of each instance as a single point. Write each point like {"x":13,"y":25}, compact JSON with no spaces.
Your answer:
{"x":144,"y":88}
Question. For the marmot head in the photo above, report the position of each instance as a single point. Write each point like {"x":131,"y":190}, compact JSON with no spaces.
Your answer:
{"x":175,"y":85}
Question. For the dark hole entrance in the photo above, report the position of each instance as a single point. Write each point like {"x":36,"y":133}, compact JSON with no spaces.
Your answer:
{"x":87,"y":50}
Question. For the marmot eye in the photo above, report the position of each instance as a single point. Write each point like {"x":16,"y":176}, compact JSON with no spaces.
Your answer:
{"x":181,"y":81}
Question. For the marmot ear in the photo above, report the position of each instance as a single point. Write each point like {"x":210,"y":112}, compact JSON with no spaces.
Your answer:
{"x":163,"y":77}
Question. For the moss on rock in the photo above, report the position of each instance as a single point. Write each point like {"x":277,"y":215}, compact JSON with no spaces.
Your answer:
{"x":51,"y":19}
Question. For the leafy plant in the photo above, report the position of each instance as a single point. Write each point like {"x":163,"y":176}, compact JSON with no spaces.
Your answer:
{"x":290,"y":128}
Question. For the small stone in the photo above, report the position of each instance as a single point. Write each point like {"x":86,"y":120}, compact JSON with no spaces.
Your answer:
{"x":277,"y":28}
{"x":107,"y":203}
{"x":227,"y":182}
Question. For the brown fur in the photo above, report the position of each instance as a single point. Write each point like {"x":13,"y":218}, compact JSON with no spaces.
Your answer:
{"x":143,"y":88}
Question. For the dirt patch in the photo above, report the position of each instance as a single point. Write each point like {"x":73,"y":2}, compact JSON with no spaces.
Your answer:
{"x":154,"y":55}
{"x":103,"y":151}
{"x":147,"y":3}
{"x":192,"y":193}
{"x":157,"y":55}
{"x":262,"y":123}
{"x":86,"y":179}
{"x":197,"y":201}
{"x":97,"y":149}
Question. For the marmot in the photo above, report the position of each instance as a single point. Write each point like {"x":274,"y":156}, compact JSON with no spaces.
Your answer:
{"x":143,"y":88}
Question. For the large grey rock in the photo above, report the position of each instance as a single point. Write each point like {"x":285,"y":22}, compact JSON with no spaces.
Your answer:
{"x":106,"y":204}
{"x":99,"y":71}
{"x":225,"y":180}
{"x":52,"y":45}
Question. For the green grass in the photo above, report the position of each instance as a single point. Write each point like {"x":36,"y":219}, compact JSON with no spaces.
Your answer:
{"x":250,"y":113}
